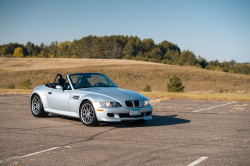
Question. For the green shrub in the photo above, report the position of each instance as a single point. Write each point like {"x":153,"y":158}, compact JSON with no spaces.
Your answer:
{"x":175,"y":84}
{"x":128,"y":56}
{"x":198,"y":65}
{"x":9,"y":55}
{"x":218,"y":68}
{"x":221,"y":90}
{"x":26,"y":84}
{"x":224,"y":69}
{"x":233,"y":91}
{"x":147,"y":89}
{"x":11,"y":86}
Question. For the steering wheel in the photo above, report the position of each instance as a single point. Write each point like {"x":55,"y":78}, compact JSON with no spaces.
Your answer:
{"x":98,"y":83}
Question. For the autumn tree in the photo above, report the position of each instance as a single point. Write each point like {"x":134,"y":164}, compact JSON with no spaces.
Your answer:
{"x":41,"y":54}
{"x":3,"y":51}
{"x":63,"y":48}
{"x":18,"y":52}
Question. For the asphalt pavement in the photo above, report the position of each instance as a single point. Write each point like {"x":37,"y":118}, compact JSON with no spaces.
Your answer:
{"x":181,"y":133}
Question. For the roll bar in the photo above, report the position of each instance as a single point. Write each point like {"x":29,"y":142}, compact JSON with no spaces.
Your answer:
{"x":56,"y":78}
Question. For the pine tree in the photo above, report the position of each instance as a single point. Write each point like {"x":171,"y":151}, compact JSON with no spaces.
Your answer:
{"x":29,"y":46}
{"x":41,"y":46}
{"x":175,"y":84}
{"x":138,"y":45}
{"x":129,"y":47}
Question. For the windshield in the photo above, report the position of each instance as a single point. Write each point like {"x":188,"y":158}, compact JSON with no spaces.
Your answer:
{"x":88,"y":80}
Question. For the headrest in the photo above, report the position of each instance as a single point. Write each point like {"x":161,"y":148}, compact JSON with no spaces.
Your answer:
{"x":61,"y":81}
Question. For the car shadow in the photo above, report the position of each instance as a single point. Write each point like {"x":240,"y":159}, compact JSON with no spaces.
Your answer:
{"x":156,"y":121}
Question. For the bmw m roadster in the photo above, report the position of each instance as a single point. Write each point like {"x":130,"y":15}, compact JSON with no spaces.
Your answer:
{"x":92,"y":97}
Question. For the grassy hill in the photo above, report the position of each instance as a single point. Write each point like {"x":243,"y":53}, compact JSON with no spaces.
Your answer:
{"x":127,"y":74}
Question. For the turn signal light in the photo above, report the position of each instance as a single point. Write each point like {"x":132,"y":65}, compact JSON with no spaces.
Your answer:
{"x":99,"y":110}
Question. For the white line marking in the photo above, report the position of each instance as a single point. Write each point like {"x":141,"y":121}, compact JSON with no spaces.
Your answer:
{"x":213,"y":107}
{"x":197,"y":161}
{"x":32,"y":154}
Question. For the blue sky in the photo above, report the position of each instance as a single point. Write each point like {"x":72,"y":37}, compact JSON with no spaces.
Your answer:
{"x":213,"y":29}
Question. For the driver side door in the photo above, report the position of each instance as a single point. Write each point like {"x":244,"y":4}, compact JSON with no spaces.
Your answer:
{"x":59,"y":100}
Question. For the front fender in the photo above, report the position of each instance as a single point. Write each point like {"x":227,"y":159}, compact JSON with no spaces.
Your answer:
{"x":75,"y":104}
{"x":41,"y":92}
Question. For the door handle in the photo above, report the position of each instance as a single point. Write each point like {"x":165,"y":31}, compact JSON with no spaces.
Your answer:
{"x":50,"y":93}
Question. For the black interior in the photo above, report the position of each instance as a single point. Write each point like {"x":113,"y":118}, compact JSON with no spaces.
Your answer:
{"x":82,"y":82}
{"x":61,"y":81}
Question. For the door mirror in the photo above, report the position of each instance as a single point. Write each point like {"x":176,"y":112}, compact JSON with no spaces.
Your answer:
{"x":60,"y":87}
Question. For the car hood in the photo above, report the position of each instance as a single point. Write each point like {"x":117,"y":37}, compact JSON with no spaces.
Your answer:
{"x":113,"y":93}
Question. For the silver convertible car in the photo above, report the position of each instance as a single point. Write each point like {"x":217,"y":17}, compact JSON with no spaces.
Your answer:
{"x":92,"y":97}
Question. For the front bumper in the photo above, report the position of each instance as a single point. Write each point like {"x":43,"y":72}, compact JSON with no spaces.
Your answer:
{"x":118,"y":114}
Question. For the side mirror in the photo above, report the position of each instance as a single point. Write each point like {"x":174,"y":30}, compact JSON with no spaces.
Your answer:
{"x":60,"y":87}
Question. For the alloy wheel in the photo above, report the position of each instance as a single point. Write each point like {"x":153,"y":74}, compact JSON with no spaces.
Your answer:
{"x":87,"y":113}
{"x":35,"y":105}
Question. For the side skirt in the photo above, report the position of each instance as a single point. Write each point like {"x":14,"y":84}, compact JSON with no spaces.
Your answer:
{"x":60,"y":112}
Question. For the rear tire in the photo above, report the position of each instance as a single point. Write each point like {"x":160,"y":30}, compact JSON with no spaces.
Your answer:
{"x":37,"y":107}
{"x":87,"y":114}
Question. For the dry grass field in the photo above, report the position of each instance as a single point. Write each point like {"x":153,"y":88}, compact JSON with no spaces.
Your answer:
{"x":162,"y":96}
{"x":156,"y":97}
{"x":127,"y":74}
{"x":20,"y":64}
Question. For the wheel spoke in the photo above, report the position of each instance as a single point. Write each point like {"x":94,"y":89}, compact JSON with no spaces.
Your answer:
{"x":35,"y":105}
{"x":90,"y":118}
{"x":87,"y":115}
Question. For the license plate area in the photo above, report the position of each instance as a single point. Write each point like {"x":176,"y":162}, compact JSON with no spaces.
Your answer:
{"x":134,"y":112}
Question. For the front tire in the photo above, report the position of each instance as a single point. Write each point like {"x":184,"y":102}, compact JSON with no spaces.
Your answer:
{"x":87,"y":114}
{"x":37,"y":107}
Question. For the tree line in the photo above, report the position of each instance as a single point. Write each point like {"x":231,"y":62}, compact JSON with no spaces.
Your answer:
{"x":120,"y":47}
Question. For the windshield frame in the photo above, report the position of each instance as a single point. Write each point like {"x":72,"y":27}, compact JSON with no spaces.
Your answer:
{"x":107,"y":79}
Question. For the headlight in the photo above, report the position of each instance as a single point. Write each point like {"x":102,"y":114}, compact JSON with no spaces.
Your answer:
{"x":146,"y":103}
{"x":110,"y":104}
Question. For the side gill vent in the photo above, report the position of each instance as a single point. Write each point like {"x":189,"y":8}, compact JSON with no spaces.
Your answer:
{"x":75,"y":97}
